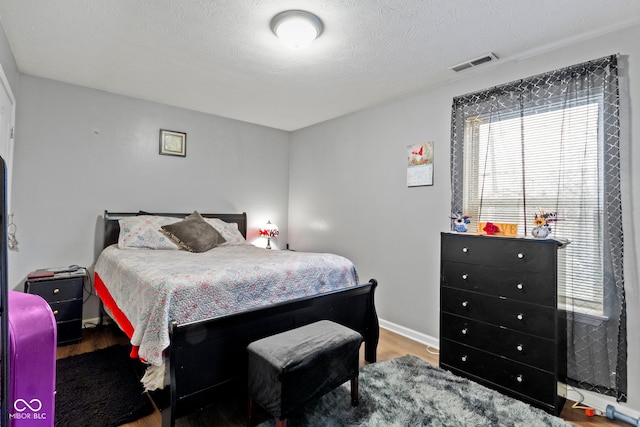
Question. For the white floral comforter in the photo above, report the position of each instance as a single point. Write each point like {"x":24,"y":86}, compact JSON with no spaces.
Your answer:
{"x":153,"y":287}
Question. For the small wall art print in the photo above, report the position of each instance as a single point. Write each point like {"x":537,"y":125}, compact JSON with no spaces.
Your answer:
{"x":420,"y":164}
{"x":173,"y":143}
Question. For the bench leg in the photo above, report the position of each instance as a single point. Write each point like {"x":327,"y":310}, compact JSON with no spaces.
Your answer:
{"x":249,"y":411}
{"x":354,"y":391}
{"x":279,"y":422}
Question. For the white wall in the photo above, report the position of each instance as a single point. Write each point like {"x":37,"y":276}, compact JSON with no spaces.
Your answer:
{"x":348,"y":190}
{"x":80,"y":151}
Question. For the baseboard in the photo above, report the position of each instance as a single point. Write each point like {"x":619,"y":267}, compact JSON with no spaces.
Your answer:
{"x":599,"y":401}
{"x":90,"y":323}
{"x":410,"y":333}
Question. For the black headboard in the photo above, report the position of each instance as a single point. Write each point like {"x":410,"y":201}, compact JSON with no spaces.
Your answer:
{"x":112,"y":227}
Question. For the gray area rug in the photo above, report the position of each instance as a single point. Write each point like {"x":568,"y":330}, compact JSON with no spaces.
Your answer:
{"x":407,"y":391}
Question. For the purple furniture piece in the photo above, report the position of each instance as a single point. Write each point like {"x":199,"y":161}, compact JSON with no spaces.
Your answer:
{"x":32,"y":361}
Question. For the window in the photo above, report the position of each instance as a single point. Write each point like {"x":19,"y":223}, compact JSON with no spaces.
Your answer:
{"x":552,"y":142}
{"x":544,"y":159}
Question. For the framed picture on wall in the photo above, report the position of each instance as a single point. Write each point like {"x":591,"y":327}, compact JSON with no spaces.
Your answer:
{"x":173,"y":143}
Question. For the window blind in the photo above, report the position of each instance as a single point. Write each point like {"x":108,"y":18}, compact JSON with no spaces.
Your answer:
{"x":543,"y":161}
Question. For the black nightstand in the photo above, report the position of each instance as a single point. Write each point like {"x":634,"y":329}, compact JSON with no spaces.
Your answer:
{"x":62,"y":289}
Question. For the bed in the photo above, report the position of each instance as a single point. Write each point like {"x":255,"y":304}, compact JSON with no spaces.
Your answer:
{"x":205,"y":348}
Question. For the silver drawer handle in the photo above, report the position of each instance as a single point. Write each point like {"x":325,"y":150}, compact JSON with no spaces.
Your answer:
{"x":519,"y":347}
{"x":520,"y":255}
{"x":520,"y":286}
{"x":520,"y":378}
{"x":465,"y":276}
{"x":520,"y":316}
{"x":464,"y":358}
{"x":55,"y":312}
{"x":56,"y":291}
{"x":465,"y":303}
{"x":465,"y":250}
{"x":464,"y":331}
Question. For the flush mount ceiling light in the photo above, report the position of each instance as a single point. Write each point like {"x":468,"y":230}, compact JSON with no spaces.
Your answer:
{"x":296,"y":28}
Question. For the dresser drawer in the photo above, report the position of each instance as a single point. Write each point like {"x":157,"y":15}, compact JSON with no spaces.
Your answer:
{"x":517,"y":315}
{"x":531,"y":287}
{"x":523,"y":348}
{"x":57,"y":290}
{"x":518,"y":254}
{"x":69,"y":331}
{"x":67,"y":310}
{"x":521,"y":379}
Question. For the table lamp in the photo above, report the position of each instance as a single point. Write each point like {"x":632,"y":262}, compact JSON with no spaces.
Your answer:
{"x":269,"y":230}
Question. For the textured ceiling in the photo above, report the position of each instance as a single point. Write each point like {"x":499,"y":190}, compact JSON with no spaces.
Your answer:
{"x":220,"y":57}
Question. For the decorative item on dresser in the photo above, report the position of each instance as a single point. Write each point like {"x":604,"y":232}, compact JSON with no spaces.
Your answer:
{"x":62,"y":289}
{"x":499,"y":320}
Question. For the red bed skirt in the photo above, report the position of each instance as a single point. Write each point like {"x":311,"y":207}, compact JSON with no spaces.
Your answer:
{"x":119,"y":316}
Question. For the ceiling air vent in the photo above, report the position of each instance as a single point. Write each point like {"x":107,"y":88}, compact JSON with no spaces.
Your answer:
{"x":474,"y":62}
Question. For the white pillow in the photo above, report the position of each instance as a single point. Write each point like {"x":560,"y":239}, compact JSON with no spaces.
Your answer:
{"x":143,"y":231}
{"x":228,"y":230}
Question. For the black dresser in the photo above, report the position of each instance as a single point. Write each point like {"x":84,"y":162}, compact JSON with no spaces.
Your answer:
{"x":63,"y":292}
{"x":499,"y":321}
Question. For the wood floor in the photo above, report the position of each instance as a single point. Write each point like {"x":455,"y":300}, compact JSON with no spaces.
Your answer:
{"x":391,"y":345}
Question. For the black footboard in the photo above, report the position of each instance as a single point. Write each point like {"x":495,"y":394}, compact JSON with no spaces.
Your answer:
{"x":210,"y":353}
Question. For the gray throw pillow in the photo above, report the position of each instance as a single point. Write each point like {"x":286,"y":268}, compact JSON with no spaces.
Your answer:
{"x":194,"y":234}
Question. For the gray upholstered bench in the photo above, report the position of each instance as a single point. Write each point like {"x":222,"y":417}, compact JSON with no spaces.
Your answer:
{"x":288,"y":370}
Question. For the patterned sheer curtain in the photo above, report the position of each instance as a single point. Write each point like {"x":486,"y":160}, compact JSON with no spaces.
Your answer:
{"x":548,"y":147}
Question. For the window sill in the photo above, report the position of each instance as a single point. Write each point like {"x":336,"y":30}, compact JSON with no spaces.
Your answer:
{"x":584,"y":315}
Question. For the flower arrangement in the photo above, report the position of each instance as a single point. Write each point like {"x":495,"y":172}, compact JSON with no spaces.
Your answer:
{"x":460,"y":222}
